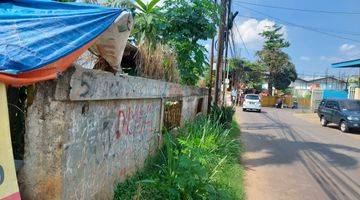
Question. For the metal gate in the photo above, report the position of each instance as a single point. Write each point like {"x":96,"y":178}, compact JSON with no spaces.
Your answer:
{"x":316,"y":97}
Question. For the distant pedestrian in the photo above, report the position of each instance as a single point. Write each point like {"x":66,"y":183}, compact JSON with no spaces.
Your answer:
{"x":234,"y":96}
{"x":279,"y":103}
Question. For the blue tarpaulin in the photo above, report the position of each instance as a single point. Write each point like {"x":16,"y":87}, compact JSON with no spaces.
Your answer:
{"x":35,"y":33}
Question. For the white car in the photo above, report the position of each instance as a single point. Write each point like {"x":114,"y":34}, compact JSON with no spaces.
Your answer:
{"x":252,"y":102}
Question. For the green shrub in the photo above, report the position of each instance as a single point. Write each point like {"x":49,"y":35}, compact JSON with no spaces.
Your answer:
{"x":191,"y":166}
{"x":223,"y":115}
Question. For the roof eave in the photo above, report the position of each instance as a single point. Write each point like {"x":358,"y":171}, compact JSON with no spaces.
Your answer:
{"x":347,"y":64}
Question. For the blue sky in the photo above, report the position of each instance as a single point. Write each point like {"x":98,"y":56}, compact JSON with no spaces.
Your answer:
{"x":311,"y":52}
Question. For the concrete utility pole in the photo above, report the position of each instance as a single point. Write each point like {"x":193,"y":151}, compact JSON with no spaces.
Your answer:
{"x":211,"y":69}
{"x":219,"y":61}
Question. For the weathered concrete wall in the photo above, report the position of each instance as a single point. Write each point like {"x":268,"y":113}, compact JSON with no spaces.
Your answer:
{"x":90,"y":129}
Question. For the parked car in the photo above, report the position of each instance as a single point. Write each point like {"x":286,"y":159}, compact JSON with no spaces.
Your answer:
{"x":343,"y":112}
{"x":252,"y":102}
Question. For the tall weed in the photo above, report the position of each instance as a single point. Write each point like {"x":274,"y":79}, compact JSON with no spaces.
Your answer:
{"x":190,"y":166}
{"x":223,"y":115}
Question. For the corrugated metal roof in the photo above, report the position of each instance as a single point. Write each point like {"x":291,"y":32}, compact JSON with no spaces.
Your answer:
{"x":347,"y":64}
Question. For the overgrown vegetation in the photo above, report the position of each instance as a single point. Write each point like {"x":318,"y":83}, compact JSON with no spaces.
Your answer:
{"x":223,"y":115}
{"x":200,"y":163}
{"x":180,"y":25}
{"x":252,"y":74}
{"x":186,"y":23}
{"x":177,"y":25}
{"x":157,"y":62}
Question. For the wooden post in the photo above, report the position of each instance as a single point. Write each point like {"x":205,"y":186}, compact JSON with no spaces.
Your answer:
{"x":219,"y":61}
{"x":211,"y":70}
{"x":8,"y":182}
{"x":226,"y":75}
{"x":211,"y":74}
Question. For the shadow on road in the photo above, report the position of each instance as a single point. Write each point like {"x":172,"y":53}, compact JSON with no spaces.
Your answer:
{"x":291,"y":151}
{"x":271,"y":141}
{"x":334,"y":126}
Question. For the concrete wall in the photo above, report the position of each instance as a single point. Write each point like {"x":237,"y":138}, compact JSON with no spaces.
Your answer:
{"x":90,"y":129}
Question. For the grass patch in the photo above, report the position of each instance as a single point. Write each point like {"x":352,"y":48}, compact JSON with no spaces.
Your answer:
{"x":202,"y":162}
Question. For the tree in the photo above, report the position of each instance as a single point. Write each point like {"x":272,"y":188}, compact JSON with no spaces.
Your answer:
{"x":279,"y":66}
{"x":186,"y":22}
{"x":285,"y":74}
{"x":244,"y":71}
{"x":148,"y":20}
{"x":179,"y":24}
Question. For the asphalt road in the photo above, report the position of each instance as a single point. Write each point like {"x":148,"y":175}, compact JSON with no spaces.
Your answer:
{"x":288,"y":157}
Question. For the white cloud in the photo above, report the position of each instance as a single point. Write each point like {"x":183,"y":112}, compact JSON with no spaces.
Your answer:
{"x":249,"y":31}
{"x":347,"y":47}
{"x":350,"y":50}
{"x":346,"y":52}
{"x":330,"y":58}
{"x":305,"y":58}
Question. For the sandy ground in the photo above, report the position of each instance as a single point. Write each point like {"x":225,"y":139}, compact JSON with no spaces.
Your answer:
{"x":290,"y":156}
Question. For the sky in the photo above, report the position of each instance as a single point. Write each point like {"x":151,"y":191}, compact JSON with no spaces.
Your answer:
{"x":311,"y":52}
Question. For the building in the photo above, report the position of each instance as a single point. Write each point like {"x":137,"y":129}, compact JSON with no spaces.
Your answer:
{"x":320,"y":82}
{"x":354,"y":89}
{"x":304,"y":84}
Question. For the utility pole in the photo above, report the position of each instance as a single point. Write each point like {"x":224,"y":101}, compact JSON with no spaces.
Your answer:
{"x":225,"y":65}
{"x":219,"y":61}
{"x":230,"y":20}
{"x":326,"y":78}
{"x":211,"y":69}
{"x":211,"y":73}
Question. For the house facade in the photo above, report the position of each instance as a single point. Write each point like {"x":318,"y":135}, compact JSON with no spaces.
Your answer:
{"x":303,"y":85}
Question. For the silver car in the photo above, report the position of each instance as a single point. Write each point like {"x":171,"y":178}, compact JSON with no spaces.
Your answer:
{"x":252,"y":102}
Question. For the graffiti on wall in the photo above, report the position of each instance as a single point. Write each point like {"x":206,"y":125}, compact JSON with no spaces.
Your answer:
{"x":109,"y":140}
{"x":141,"y":123}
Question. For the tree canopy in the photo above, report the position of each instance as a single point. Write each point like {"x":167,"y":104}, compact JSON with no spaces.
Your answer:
{"x":186,"y":23}
{"x":245,"y":71}
{"x":180,"y":24}
{"x":278,"y":64}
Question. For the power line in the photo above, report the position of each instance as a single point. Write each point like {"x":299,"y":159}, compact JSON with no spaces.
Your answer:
{"x":327,"y":30}
{"x":301,"y":10}
{"x":302,"y":26}
{"x":232,"y":45}
{"x":317,"y":28}
{"x":242,"y":40}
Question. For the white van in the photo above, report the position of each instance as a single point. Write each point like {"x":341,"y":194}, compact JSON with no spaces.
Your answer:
{"x":252,"y":102}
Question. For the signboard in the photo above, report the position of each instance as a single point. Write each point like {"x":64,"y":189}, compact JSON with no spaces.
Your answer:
{"x":9,"y":189}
